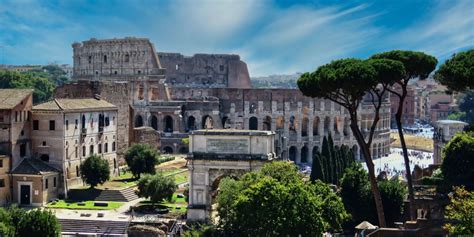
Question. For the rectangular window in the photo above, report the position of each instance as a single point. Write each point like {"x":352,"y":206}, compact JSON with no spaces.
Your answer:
{"x":23,"y":150}
{"x":16,"y":116}
{"x":1,"y":163}
{"x":54,"y":182}
{"x":52,"y":125}
{"x":84,"y":151}
{"x":46,"y":183}
{"x":2,"y":183}
{"x":35,"y":125}
{"x":100,"y":148}
{"x":67,"y":124}
{"x":91,"y":149}
{"x":75,"y":152}
{"x":75,"y":126}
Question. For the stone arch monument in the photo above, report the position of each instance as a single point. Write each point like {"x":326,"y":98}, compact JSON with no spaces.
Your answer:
{"x":215,"y":154}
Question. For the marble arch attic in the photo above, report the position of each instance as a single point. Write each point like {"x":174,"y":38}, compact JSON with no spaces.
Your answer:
{"x":174,"y":94}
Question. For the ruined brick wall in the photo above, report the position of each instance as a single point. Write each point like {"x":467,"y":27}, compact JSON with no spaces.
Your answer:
{"x":148,"y":136}
{"x":205,"y":70}
{"x":101,"y":59}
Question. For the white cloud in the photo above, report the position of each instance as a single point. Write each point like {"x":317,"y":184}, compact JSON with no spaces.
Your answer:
{"x":447,"y":28}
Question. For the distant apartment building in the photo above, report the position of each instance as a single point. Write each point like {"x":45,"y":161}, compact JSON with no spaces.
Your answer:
{"x":444,"y":132}
{"x":410,"y":106}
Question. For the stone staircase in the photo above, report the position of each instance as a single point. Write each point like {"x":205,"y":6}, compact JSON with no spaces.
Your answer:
{"x":77,"y":227}
{"x":123,"y":195}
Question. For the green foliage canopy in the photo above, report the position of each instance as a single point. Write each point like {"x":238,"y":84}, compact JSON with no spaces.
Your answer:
{"x":277,"y":202}
{"x":156,"y":187}
{"x":95,"y":170}
{"x":141,"y":158}
{"x":457,"y":73}
{"x":358,"y":199}
{"x":15,"y":222}
{"x":458,"y":161}
{"x":461,"y":209}
{"x":43,"y":87}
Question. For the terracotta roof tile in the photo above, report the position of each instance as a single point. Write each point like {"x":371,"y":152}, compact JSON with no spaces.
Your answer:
{"x":9,"y":98}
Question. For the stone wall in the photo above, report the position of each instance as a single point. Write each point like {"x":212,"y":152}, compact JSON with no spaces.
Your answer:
{"x":205,"y":70}
{"x":101,"y":59}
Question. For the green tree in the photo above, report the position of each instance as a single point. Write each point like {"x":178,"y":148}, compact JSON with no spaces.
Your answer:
{"x":95,"y":170}
{"x":416,"y":65}
{"x":466,"y":106}
{"x":277,"y":191}
{"x":317,"y":172}
{"x":458,"y":161}
{"x":393,"y":195}
{"x":461,"y":212}
{"x":350,"y":82}
{"x":38,"y":223}
{"x":457,"y":73}
{"x":326,"y":157}
{"x":43,"y":88}
{"x":359,"y":202}
{"x":141,"y":158}
{"x":156,"y":187}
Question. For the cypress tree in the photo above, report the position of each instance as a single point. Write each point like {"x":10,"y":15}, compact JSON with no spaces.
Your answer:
{"x":317,"y":171}
{"x":326,"y":157}
{"x":332,"y":159}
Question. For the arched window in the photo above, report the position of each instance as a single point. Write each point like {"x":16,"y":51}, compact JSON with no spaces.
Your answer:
{"x":191,"y":123}
{"x":267,"y":123}
{"x":113,"y":146}
{"x":106,"y":147}
{"x":207,"y":122}
{"x":77,"y":171}
{"x":105,"y":58}
{"x":154,"y":122}
{"x":292,"y":153}
{"x":253,"y":123}
{"x":304,"y":154}
{"x":316,"y":126}
{"x":326,"y":126}
{"x":304,"y":127}
{"x":168,"y":123}
{"x":138,"y":121}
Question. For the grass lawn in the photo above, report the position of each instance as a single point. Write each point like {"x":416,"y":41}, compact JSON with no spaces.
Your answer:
{"x":181,"y":177}
{"x":89,"y":205}
{"x":176,"y":206}
{"x":413,"y":142}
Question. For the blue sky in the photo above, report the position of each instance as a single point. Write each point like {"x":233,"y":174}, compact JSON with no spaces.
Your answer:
{"x":273,"y":37}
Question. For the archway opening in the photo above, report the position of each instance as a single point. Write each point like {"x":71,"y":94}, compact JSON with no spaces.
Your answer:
{"x":168,"y":150}
{"x":326,"y":126}
{"x":191,"y":123}
{"x":225,"y":123}
{"x":304,"y":154}
{"x":280,"y":123}
{"x":316,"y":126}
{"x":138,"y":121}
{"x":253,"y":123}
{"x":154,"y":122}
{"x":267,"y":123}
{"x":304,"y":127}
{"x":292,"y":153}
{"x":168,"y":122}
{"x":207,"y":122}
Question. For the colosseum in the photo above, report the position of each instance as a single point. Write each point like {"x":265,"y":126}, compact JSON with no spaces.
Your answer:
{"x":167,"y":95}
